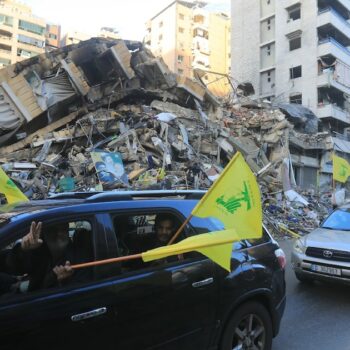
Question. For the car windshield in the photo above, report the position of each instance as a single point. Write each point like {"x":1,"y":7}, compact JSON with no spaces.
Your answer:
{"x":338,"y":220}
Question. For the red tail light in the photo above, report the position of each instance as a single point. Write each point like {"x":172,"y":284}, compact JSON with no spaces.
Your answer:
{"x":281,"y":257}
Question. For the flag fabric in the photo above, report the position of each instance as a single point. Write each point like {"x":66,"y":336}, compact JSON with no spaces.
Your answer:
{"x":10,"y":190}
{"x":341,"y":169}
{"x":234,"y":199}
{"x":216,"y":245}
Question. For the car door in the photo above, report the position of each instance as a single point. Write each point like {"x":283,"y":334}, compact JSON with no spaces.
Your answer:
{"x":164,"y":307}
{"x":61,"y":317}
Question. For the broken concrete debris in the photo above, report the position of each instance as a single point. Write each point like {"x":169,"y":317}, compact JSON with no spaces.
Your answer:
{"x":106,"y":114}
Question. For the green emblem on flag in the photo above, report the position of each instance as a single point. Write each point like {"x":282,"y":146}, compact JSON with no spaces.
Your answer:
{"x":342,"y":171}
{"x":10,"y":183}
{"x":235,"y":202}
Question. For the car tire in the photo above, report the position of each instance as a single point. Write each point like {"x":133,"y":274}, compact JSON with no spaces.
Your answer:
{"x":302,"y":278}
{"x":250,"y":324}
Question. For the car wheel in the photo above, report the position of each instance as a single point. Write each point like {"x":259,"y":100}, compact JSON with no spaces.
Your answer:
{"x":302,"y":278}
{"x":250,"y":328}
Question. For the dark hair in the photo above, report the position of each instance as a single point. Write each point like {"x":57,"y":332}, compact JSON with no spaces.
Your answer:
{"x":164,"y":217}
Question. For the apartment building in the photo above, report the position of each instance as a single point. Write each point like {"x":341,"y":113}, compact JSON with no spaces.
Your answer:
{"x":297,"y":52}
{"x":188,"y":36}
{"x":74,"y":37}
{"x":53,"y":36}
{"x":22,"y":35}
{"x":109,"y":33}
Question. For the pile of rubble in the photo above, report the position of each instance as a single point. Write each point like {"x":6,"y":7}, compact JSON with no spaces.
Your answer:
{"x":108,"y":115}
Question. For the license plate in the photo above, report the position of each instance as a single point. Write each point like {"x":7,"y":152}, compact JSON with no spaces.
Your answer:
{"x":326,"y":269}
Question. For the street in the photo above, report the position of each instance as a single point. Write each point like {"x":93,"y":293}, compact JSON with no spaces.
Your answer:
{"x":317,"y":316}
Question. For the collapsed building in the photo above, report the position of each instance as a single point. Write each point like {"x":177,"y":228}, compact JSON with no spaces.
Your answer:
{"x":107,"y":114}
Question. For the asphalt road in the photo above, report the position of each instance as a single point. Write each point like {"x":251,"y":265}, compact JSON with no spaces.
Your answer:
{"x":317,"y":316}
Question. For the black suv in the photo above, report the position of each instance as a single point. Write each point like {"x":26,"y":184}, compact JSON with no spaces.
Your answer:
{"x":187,"y":303}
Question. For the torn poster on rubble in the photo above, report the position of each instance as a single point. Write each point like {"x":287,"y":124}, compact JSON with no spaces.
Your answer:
{"x":109,"y":167}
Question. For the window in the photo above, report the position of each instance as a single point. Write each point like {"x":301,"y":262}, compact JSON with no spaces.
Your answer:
{"x":295,"y":44}
{"x":268,"y":50}
{"x":294,"y":13}
{"x":269,"y":77}
{"x":338,"y":220}
{"x":30,"y":41}
{"x":268,"y":24}
{"x":4,"y":62}
{"x":52,"y":36}
{"x":181,"y":30}
{"x":25,"y":53}
{"x":31,"y":269}
{"x":6,"y":20}
{"x":160,"y":37}
{"x":296,"y":99}
{"x":31,"y":27}
{"x":180,"y":71}
{"x":160,"y":24}
{"x":295,"y":72}
{"x":141,"y":232}
{"x":180,"y":58}
{"x":203,"y":34}
{"x":181,"y":16}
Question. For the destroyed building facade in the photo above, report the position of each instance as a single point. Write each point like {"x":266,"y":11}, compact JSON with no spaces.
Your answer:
{"x":108,"y":115}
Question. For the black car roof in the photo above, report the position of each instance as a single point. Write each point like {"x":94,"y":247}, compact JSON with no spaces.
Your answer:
{"x":76,"y":198}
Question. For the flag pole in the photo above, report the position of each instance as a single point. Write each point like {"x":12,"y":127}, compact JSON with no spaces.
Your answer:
{"x":106,"y":261}
{"x":180,"y":230}
{"x":128,"y":257}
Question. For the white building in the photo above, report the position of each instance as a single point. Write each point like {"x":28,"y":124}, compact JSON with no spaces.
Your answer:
{"x":295,"y":51}
{"x":298,"y":51}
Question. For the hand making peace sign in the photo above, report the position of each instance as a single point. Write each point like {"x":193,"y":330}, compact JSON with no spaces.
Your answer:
{"x":32,"y":240}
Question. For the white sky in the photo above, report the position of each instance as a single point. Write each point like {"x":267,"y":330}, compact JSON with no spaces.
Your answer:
{"x":128,"y":16}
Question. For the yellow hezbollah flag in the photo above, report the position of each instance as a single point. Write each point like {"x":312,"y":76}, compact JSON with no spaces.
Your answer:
{"x":217,"y":246}
{"x":341,"y":169}
{"x":10,"y":190}
{"x":234,"y":199}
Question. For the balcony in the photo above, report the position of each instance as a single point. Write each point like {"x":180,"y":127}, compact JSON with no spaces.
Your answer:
{"x":200,"y":18}
{"x":330,"y":16}
{"x":345,"y":3}
{"x":293,"y":26}
{"x":5,"y":40}
{"x":200,"y":61}
{"x":200,"y":45}
{"x":28,"y":47}
{"x":289,"y":3}
{"x":333,"y":111}
{"x":327,"y":78}
{"x":201,"y":25}
{"x":330,"y":46}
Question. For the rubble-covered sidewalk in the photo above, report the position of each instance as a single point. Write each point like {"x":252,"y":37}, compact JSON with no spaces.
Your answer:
{"x":104,"y":115}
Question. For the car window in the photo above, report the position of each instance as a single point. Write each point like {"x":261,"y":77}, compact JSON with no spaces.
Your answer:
{"x":29,"y":265}
{"x":338,"y":220}
{"x":142,"y":232}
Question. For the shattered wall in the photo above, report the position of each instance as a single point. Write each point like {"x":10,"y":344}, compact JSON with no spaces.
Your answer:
{"x":102,"y":99}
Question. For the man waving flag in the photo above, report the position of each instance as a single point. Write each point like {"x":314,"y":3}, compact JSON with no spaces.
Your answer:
{"x":235,"y":200}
